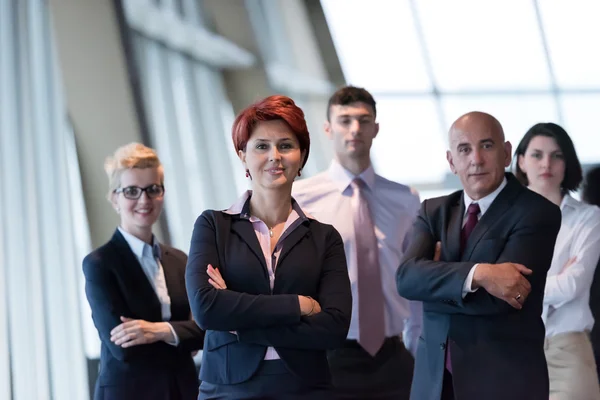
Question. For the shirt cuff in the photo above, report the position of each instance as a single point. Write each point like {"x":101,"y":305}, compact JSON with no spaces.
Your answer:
{"x":468,"y":285}
{"x":175,"y":341}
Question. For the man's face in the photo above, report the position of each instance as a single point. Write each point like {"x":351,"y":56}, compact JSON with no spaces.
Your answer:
{"x":478,"y":155}
{"x":352,"y":128}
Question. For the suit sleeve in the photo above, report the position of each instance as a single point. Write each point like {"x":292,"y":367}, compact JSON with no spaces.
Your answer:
{"x":530,"y":244}
{"x":226,"y":310}
{"x":108,"y":306}
{"x":327,"y":329}
{"x":422,"y":279}
{"x":190,"y":336}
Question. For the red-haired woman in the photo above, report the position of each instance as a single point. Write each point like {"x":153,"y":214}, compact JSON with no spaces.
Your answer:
{"x":267,"y":281}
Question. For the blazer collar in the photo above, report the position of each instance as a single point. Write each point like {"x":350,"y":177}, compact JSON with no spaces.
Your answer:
{"x":240,"y":212}
{"x":131,"y":266}
{"x":501,"y":204}
{"x":242,"y":207}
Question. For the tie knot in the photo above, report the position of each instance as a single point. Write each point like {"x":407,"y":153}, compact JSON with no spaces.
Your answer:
{"x":156,"y":250}
{"x":357,"y":184}
{"x":473,"y":209}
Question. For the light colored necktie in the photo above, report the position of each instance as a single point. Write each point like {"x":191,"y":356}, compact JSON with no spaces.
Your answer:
{"x":370,"y":292}
{"x":161,"y":285}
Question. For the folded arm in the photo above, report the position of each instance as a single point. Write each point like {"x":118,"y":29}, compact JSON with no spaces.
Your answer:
{"x":530,"y":244}
{"x":108,"y":306}
{"x":422,"y":279}
{"x":326,"y":329}
{"x":227,"y":310}
{"x":576,"y":278}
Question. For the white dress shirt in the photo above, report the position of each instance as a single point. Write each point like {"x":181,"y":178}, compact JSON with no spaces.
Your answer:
{"x":567,"y":294}
{"x":394,"y":207}
{"x":484,"y":205}
{"x":155,"y":273}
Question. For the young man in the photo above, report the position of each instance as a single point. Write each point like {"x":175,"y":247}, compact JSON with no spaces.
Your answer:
{"x":373,"y":215}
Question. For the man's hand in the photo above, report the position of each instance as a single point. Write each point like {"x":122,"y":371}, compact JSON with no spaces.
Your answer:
{"x":133,"y":332}
{"x":505,"y":281}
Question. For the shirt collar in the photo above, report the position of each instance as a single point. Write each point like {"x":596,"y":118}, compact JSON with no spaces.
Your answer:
{"x":568,"y":202}
{"x":342,"y":178}
{"x":242,"y":207}
{"x":141,"y":248}
{"x":484,"y":202}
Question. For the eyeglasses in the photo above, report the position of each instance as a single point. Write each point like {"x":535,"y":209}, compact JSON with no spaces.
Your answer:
{"x":135,"y":192}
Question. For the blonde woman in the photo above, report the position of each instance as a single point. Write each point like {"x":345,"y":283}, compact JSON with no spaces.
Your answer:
{"x":135,"y":287}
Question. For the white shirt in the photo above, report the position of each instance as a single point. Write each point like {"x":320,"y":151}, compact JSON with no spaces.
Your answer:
{"x":567,"y":293}
{"x":155,"y":273}
{"x":484,"y":205}
{"x":394,"y":207}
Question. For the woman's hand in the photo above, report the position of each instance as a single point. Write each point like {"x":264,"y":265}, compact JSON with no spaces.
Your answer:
{"x":133,"y":332}
{"x":308,"y":306}
{"x":215,"y":278}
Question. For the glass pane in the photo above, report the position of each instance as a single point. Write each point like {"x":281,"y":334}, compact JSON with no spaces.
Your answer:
{"x":479,"y":45}
{"x":410,"y":147}
{"x":572,"y":31}
{"x":377,"y":44}
{"x":581,"y":122}
{"x":516,"y":113}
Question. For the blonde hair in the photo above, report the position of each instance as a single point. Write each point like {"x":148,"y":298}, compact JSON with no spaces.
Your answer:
{"x":132,"y":155}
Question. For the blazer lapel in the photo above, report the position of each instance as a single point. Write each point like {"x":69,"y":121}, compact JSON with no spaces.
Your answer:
{"x":170,"y":271}
{"x":245,"y":231}
{"x":292,"y":239}
{"x":452,"y":239}
{"x":499,"y":206}
{"x":133,"y":269}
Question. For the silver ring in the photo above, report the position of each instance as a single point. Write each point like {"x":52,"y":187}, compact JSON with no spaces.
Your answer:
{"x":518,"y":296}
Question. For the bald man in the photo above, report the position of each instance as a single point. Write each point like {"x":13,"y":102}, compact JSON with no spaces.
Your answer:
{"x":482,"y":289}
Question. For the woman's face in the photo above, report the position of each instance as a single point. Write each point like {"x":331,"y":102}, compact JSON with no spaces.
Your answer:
{"x":138,"y":215}
{"x":543,"y":163}
{"x":272,"y":155}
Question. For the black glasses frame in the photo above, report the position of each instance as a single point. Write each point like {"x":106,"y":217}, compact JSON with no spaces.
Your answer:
{"x":142,"y":190}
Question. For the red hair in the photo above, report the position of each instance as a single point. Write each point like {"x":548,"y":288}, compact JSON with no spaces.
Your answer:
{"x":271,"y":108}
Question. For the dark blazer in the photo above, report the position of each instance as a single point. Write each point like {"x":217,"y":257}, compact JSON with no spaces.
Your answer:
{"x":116,"y":285}
{"x":497,"y":352}
{"x":595,"y":308}
{"x":312,"y":263}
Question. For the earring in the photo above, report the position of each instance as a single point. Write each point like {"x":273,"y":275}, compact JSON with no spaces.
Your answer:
{"x":247,"y":173}
{"x":300,"y":172}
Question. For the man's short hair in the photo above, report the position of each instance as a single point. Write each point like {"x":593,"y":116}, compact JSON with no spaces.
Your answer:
{"x":348,"y":95}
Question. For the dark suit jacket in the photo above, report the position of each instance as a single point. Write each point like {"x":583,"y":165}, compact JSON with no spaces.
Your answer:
{"x":497,"y":352}
{"x":116,"y":285}
{"x":595,"y":308}
{"x":311,"y":263}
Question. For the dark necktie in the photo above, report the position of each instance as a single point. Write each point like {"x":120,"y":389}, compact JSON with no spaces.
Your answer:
{"x":371,"y":319}
{"x":472,"y":213}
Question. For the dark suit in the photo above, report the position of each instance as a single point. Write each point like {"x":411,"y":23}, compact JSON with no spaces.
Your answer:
{"x":595,"y":308}
{"x":311,"y":263}
{"x":116,"y":285}
{"x":497,"y":352}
